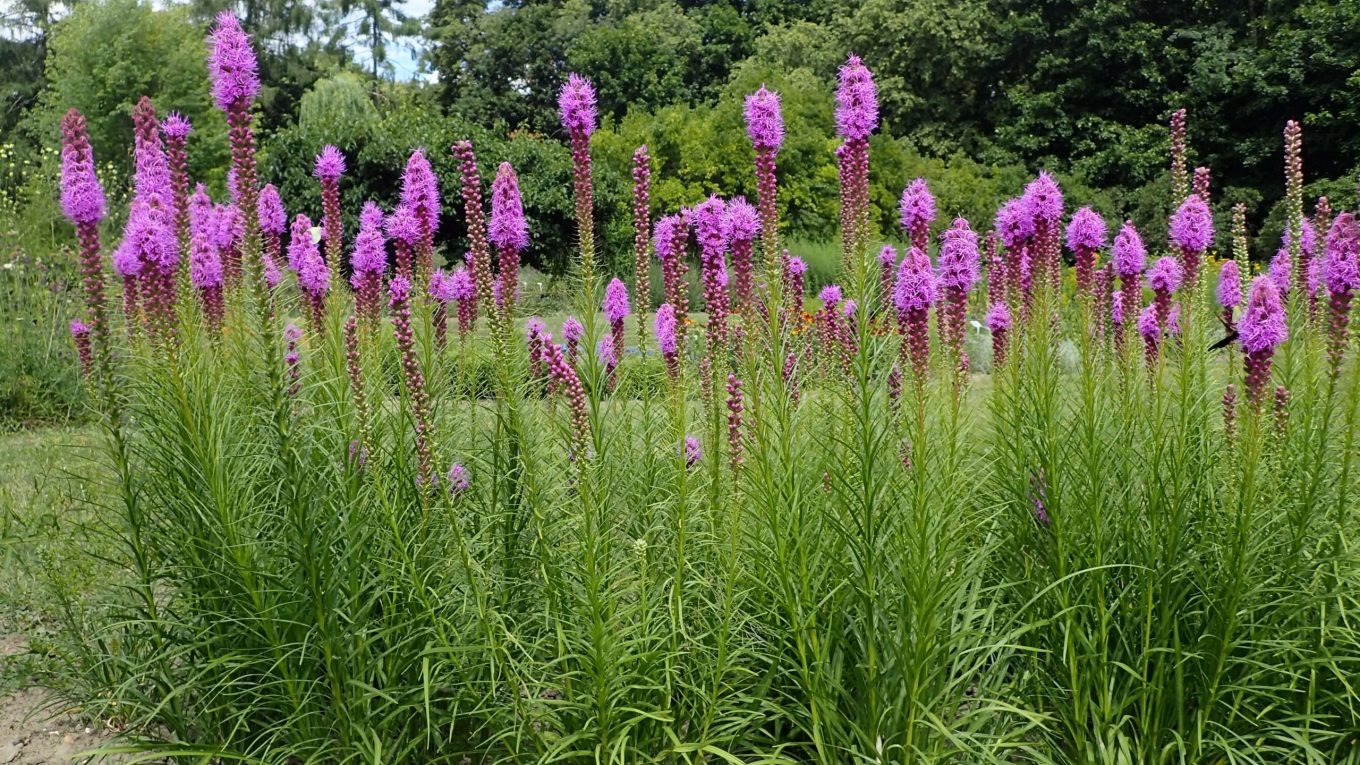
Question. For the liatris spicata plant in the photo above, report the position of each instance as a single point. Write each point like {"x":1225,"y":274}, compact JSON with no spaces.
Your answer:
{"x":1229,"y":293}
{"x":1015,"y":227}
{"x":176,"y":129}
{"x":150,"y":235}
{"x":573,"y":332}
{"x":442,"y":293}
{"x":230,"y":238}
{"x":1241,"y":252}
{"x":508,"y":231}
{"x":642,"y":237}
{"x":1043,"y":203}
{"x":664,"y":328}
{"x":916,"y":212}
{"x":273,"y":221}
{"x":1192,"y":231}
{"x":403,"y":228}
{"x":1101,"y":287}
{"x":915,"y":291}
{"x":735,"y":439}
{"x":127,"y":262}
{"x":480,"y":263}
{"x":709,"y":230}
{"x":1180,"y":177}
{"x":1261,"y":330}
{"x":1164,"y":278}
{"x":1282,"y":397}
{"x":1281,"y":271}
{"x":82,"y":201}
{"x":206,"y":270}
{"x":959,"y":270}
{"x":1340,"y":269}
{"x":1128,"y":256}
{"x":151,"y":184}
{"x":535,"y":332}
{"x":742,"y":225}
{"x":400,"y":293}
{"x":1230,"y":412}
{"x":314,"y":279}
{"x":670,"y":241}
{"x":292,"y":358}
{"x":765,"y":128}
{"x":999,"y":323}
{"x":420,"y":196}
{"x":1150,"y":328}
{"x":80,"y":335}
{"x":235,"y":83}
{"x":831,"y":331}
{"x":1199,"y":185}
{"x":1086,"y":234}
{"x":464,"y":292}
{"x":458,"y":479}
{"x":330,"y":165}
{"x":856,"y":118}
{"x":368,"y":263}
{"x":692,"y":451}
{"x":576,"y":105}
{"x":1293,"y":195}
{"x":887,"y":272}
{"x":1297,"y":262}
{"x":564,"y":378}
{"x":354,"y":367}
{"x":616,"y":310}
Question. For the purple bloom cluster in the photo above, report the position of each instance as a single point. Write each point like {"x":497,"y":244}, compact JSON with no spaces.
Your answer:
{"x":232,"y":66}
{"x":764,"y":120}
{"x":576,"y":105}
{"x":917,"y":211}
{"x":856,"y":101}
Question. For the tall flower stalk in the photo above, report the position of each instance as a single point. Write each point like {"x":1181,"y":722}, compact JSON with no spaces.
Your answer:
{"x":1192,"y":231}
{"x":576,"y":105}
{"x":1261,"y":331}
{"x":1128,"y":258}
{"x":959,"y":270}
{"x":916,"y":290}
{"x":330,"y":165}
{"x":509,"y":232}
{"x":399,"y":290}
{"x":1341,"y":274}
{"x":765,"y":127}
{"x":368,"y":264}
{"x":420,"y":198}
{"x":1086,"y":234}
{"x":856,"y":119}
{"x":642,"y":238}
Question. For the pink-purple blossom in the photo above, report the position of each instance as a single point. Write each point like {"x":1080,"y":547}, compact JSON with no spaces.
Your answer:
{"x":856,"y":101}
{"x":764,"y":120}
{"x":916,"y":287}
{"x":231,"y":65}
{"x":1129,"y":254}
{"x":330,"y":164}
{"x":1340,"y":267}
{"x":82,"y":198}
{"x":917,"y":209}
{"x":1086,"y":231}
{"x":1165,"y":275}
{"x":1043,"y":199}
{"x":507,"y":228}
{"x":1229,"y":292}
{"x":959,"y":262}
{"x":576,"y":105}
{"x":1262,"y":327}
{"x":1192,"y":227}
{"x":269,"y":208}
{"x":616,"y":307}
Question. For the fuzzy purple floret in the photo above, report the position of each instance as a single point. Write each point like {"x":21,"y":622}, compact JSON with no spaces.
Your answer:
{"x":572,"y":330}
{"x":663,"y":237}
{"x":507,"y":228}
{"x":1013,"y":223}
{"x":796,"y":266}
{"x":330,"y":164}
{"x":370,"y":253}
{"x":1086,"y":231}
{"x":1166,"y":275}
{"x":764,"y":120}
{"x":998,"y":317}
{"x":1340,"y":267}
{"x":1281,"y":270}
{"x":664,"y":326}
{"x":576,"y":105}
{"x":616,"y":307}
{"x":82,"y":198}
{"x":831,"y":295}
{"x":916,"y":287}
{"x":176,"y":126}
{"x":959,"y":265}
{"x":709,"y":230}
{"x":741,"y":220}
{"x":1043,"y":199}
{"x":1229,"y":292}
{"x":1262,"y":327}
{"x":1192,"y":227}
{"x":1147,"y":322}
{"x":917,"y":207}
{"x":231,"y":65}
{"x":269,"y":208}
{"x":856,"y":101}
{"x":1129,"y":255}
{"x":1308,"y":244}
{"x":420,"y":189}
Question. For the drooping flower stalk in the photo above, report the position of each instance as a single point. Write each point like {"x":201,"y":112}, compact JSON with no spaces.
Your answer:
{"x":1128,"y":257}
{"x":368,"y":263}
{"x":1341,"y":274}
{"x":565,"y":379}
{"x":330,"y":165}
{"x":420,"y":196}
{"x":1192,"y":231}
{"x":616,"y":310}
{"x":400,"y":301}
{"x":314,"y":278}
{"x":1180,"y":178}
{"x":999,"y":323}
{"x":354,"y":366}
{"x":765,"y":128}
{"x":742,"y":225}
{"x":508,"y":231}
{"x":735,"y":439}
{"x":1260,"y":331}
{"x":667,"y":339}
{"x":1086,"y":234}
{"x":917,"y":212}
{"x":958,"y":272}
{"x":1042,"y":202}
{"x":856,"y":119}
{"x":576,"y":105}
{"x":915,"y":291}
{"x":176,"y":129}
{"x":642,"y":238}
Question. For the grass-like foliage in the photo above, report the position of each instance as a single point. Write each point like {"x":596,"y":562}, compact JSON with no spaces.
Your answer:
{"x":768,"y":533}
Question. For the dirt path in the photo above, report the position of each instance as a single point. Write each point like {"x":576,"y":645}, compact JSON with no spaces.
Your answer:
{"x":32,"y":730}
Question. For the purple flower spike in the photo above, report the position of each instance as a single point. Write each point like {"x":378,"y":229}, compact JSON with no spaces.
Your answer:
{"x":82,"y":198}
{"x":369,"y":255}
{"x":576,"y":104}
{"x":1165,"y":275}
{"x":1043,"y":199}
{"x":232,"y":66}
{"x":1340,"y":269}
{"x":959,"y":266}
{"x":330,"y":164}
{"x":708,"y":226}
{"x":796,"y":266}
{"x":917,"y":211}
{"x":856,"y":101}
{"x":1086,"y":231}
{"x":1262,"y":327}
{"x":1013,"y":223}
{"x":1281,"y":270}
{"x":764,"y":120}
{"x":664,"y":327}
{"x":664,"y":235}
{"x":916,"y":287}
{"x":831,"y":295}
{"x":176,"y":126}
{"x":693,"y":452}
{"x":616,"y":307}
{"x":1129,"y":253}
{"x":1229,"y":286}
{"x":507,"y":228}
{"x":1192,"y":227}
{"x":273,"y":219}
{"x":459,"y":480}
